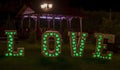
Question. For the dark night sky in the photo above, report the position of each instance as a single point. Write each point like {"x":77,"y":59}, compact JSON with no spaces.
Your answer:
{"x":96,"y":4}
{"x":105,"y":5}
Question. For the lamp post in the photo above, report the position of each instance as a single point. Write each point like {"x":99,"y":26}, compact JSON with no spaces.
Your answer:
{"x":46,"y":6}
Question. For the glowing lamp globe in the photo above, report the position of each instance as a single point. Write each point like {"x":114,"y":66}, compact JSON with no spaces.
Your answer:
{"x":46,"y":6}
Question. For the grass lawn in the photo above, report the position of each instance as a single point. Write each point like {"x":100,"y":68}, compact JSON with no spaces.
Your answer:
{"x":34,"y":60}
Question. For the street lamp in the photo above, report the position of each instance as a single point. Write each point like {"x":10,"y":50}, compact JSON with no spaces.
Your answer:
{"x":47,"y":6}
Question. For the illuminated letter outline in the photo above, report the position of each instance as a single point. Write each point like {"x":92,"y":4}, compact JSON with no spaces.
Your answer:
{"x":10,"y":41}
{"x":45,"y":43}
{"x":100,"y":46}
{"x":77,"y":47}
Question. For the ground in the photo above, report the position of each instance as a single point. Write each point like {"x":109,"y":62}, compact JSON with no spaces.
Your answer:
{"x":34,"y":60}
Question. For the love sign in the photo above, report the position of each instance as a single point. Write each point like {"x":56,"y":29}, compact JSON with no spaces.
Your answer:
{"x":77,"y":44}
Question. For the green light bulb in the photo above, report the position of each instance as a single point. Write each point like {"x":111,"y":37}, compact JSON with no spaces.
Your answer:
{"x":58,"y":39}
{"x":20,"y":54}
{"x":82,"y":43}
{"x":50,"y":54}
{"x":57,"y":49}
{"x":76,"y":54}
{"x":45,"y":41}
{"x":51,"y":34}
{"x":14,"y":54}
{"x":45,"y":36}
{"x":74,"y":51}
{"x":73,"y":43}
{"x":73,"y":33}
{"x":74,"y":48}
{"x":81,"y":49}
{"x":58,"y":42}
{"x":44,"y":49}
{"x":6,"y":54}
{"x":84,"y":34}
{"x":57,"y":35}
{"x":109,"y":55}
{"x":46,"y":53}
{"x":21,"y":51}
{"x":56,"y":54}
{"x":10,"y":54}
{"x":11,"y":33}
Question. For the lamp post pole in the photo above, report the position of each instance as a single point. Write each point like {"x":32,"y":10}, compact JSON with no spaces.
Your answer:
{"x":81,"y":24}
